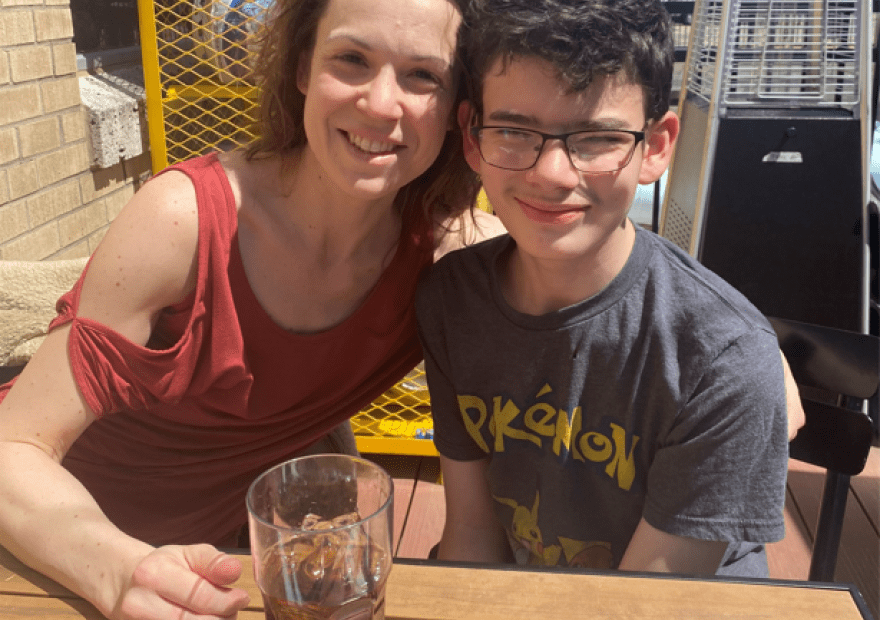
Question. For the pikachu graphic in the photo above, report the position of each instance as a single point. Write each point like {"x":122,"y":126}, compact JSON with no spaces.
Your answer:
{"x":527,"y":535}
{"x":529,"y":547}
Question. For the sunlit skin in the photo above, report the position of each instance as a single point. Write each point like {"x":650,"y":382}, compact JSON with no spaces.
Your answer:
{"x":572,"y":231}
{"x":572,"y":237}
{"x":380,"y":92}
{"x":379,"y":95}
{"x":316,"y":229}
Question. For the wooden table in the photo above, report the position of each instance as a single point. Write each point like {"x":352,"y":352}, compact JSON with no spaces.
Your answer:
{"x":418,"y":590}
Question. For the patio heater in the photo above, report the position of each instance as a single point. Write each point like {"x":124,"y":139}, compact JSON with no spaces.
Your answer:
{"x":769,"y":184}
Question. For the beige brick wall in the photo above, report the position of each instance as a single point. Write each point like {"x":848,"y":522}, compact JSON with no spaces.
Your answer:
{"x":52,"y":204}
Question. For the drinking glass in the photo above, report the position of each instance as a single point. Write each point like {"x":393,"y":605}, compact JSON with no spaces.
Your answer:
{"x":320,"y":531}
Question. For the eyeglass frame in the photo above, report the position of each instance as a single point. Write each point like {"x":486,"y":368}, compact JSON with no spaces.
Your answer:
{"x":638,"y":135}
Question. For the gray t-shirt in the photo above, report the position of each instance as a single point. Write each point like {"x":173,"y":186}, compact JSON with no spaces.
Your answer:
{"x":660,"y":397}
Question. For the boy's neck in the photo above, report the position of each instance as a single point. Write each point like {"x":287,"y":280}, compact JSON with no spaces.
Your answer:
{"x":536,"y":286}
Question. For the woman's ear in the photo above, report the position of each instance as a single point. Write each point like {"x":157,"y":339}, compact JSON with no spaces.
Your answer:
{"x":466,"y":120}
{"x":660,"y":138}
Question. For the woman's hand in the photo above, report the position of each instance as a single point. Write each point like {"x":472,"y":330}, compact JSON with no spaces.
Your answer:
{"x":48,"y":519}
{"x":179,"y":582}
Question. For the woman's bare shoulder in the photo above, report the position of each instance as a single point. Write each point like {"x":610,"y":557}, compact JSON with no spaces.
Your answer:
{"x":237,"y":169}
{"x":250,"y":177}
{"x":148,"y":259}
{"x":164,"y":211}
{"x":467,"y":229}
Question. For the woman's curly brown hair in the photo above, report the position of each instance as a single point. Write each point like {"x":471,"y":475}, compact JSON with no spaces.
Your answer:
{"x":448,"y":188}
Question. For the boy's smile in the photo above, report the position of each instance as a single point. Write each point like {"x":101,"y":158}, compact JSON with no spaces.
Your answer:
{"x":569,"y":226}
{"x":549,"y":213}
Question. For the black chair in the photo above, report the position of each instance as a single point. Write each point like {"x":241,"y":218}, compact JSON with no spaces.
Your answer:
{"x":836,"y":372}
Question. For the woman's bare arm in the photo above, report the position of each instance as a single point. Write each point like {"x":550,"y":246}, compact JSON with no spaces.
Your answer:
{"x":146,"y":262}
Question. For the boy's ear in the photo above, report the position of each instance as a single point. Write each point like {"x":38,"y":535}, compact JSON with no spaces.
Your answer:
{"x":660,"y":140}
{"x":466,"y":114}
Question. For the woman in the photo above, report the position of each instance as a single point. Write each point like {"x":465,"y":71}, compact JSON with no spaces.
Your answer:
{"x":238,"y":309}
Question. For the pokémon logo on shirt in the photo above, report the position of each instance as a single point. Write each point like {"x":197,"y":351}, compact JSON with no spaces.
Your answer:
{"x":548,"y":427}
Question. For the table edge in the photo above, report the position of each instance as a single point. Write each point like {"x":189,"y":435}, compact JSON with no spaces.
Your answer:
{"x":853,"y":590}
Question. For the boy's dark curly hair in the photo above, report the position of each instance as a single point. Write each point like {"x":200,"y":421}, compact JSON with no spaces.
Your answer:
{"x":580,"y":38}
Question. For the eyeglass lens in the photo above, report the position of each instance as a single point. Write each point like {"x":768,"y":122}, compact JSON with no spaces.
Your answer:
{"x":589,"y":151}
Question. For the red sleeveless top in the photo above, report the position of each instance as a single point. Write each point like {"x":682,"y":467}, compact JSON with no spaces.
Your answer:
{"x":221,"y":392}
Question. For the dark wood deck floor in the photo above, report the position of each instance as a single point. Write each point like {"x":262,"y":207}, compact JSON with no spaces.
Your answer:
{"x":419,"y":514}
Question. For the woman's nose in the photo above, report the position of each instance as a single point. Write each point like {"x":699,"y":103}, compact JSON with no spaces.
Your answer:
{"x":382,"y":96}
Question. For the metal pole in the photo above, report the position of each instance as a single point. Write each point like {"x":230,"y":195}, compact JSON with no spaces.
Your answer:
{"x":828,"y":529}
{"x":152,"y":85}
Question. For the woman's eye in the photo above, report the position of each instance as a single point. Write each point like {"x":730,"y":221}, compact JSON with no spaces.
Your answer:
{"x":427,"y":76}
{"x":351,"y":58}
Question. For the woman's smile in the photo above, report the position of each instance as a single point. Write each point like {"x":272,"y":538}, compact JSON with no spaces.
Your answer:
{"x":372,"y":147}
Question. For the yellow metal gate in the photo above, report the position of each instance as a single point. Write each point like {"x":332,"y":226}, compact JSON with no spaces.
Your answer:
{"x":195,"y":62}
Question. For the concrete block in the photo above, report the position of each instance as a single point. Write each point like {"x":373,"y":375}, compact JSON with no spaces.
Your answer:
{"x":23,"y":180}
{"x":16,"y":27}
{"x":129,"y":80}
{"x":8,"y":145}
{"x":30,"y":62}
{"x":60,"y":93}
{"x":64,"y":58}
{"x":115,"y":124}
{"x":19,"y":103}
{"x":53,"y":24}
{"x":39,"y":137}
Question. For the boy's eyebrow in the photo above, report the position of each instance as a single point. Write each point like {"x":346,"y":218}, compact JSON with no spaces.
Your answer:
{"x":527,"y":120}
{"x":503,"y":116}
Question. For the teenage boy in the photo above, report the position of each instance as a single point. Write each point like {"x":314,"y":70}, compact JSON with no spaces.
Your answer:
{"x":600,"y":399}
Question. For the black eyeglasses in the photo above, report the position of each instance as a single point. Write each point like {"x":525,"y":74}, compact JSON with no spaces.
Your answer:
{"x":593,"y":152}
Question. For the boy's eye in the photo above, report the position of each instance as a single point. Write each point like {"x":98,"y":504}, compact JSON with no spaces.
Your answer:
{"x":515,"y":135}
{"x":601,"y":138}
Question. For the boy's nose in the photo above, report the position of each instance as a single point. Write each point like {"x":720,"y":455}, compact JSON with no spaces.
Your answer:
{"x":382,"y":95}
{"x":554,"y":165}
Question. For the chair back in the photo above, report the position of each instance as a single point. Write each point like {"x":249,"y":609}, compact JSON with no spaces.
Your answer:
{"x":837,"y":370}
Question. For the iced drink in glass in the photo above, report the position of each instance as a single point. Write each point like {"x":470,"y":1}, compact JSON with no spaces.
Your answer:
{"x":320,"y":531}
